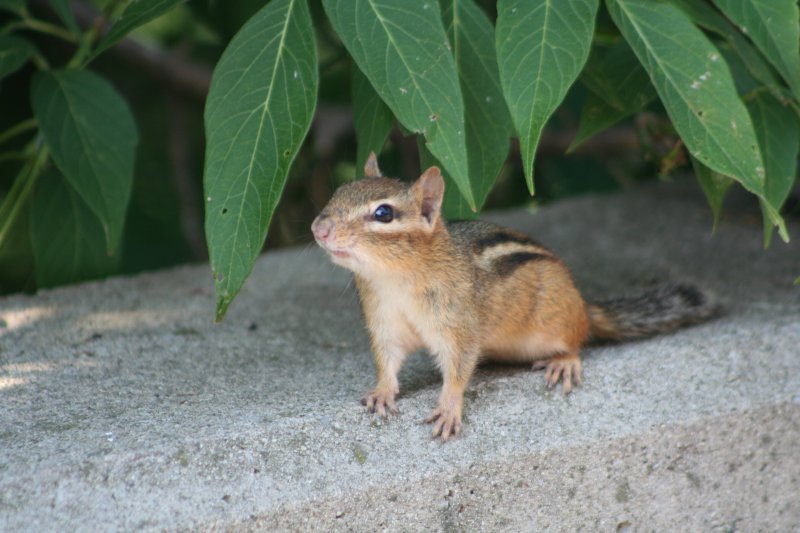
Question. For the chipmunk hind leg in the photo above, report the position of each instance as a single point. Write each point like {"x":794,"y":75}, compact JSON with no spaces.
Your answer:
{"x":560,"y":359}
{"x":568,"y":332}
{"x":544,"y":323}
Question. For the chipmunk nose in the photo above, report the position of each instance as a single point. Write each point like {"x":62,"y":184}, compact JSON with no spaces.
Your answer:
{"x":321,"y":228}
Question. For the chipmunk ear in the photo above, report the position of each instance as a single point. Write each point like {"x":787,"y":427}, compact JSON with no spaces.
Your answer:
{"x":429,"y":191}
{"x":371,"y":169}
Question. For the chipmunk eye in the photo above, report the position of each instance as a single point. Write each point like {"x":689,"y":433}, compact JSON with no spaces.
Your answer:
{"x":383,"y":213}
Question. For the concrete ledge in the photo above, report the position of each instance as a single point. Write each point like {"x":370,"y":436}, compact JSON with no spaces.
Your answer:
{"x":726,"y":473}
{"x":122,"y":407}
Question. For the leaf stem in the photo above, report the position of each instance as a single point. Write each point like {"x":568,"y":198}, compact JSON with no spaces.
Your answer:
{"x":40,"y":61}
{"x":17,"y":129}
{"x":12,"y":156}
{"x":13,"y":192}
{"x":11,"y":203}
{"x":20,"y":191}
{"x":84,"y":54}
{"x":47,"y":28}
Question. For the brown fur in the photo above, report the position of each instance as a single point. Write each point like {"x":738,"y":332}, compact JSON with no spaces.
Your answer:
{"x":463,"y":291}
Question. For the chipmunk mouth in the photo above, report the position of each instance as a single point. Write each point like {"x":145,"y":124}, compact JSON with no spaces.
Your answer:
{"x":336,"y":252}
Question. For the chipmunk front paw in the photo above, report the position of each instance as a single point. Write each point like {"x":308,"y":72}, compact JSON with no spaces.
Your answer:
{"x":446,"y":422}
{"x":381,"y":401}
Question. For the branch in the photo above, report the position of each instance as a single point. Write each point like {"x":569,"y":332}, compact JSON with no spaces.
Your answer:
{"x":167,"y":68}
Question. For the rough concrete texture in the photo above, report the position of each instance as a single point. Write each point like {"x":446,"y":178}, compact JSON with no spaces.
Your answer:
{"x":122,"y":407}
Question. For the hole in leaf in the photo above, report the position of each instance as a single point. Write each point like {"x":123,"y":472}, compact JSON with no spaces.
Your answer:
{"x":287,"y":153}
{"x":224,"y":210}
{"x":699,"y":113}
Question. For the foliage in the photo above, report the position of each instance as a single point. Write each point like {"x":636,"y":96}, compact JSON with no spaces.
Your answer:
{"x":436,"y":91}
{"x":462,"y":76}
{"x":78,"y":165}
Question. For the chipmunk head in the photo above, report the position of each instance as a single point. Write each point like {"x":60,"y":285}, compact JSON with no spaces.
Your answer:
{"x":378,"y":224}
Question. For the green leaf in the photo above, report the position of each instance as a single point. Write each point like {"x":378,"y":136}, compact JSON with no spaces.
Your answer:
{"x":14,"y":52}
{"x":402,"y":48}
{"x":488,"y":123}
{"x":596,"y":116}
{"x":14,"y":6}
{"x":773,"y":27}
{"x":259,"y":109}
{"x":696,"y":88}
{"x":714,"y":186}
{"x":64,"y":12}
{"x":542,"y":46}
{"x":138,"y":13}
{"x":704,"y":15}
{"x":372,"y":119}
{"x":67,"y":238}
{"x":778,"y":133}
{"x":92,"y":136}
{"x":707,"y":17}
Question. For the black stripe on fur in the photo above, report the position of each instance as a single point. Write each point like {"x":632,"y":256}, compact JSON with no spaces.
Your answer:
{"x":502,"y":237}
{"x":505,"y":265}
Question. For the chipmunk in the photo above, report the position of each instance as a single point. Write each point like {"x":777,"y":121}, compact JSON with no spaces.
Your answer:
{"x":469,"y":291}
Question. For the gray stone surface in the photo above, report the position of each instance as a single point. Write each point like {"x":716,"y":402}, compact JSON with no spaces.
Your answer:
{"x":122,"y":407}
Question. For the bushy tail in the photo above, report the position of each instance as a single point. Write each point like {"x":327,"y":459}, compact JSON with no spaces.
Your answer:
{"x":658,"y":310}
